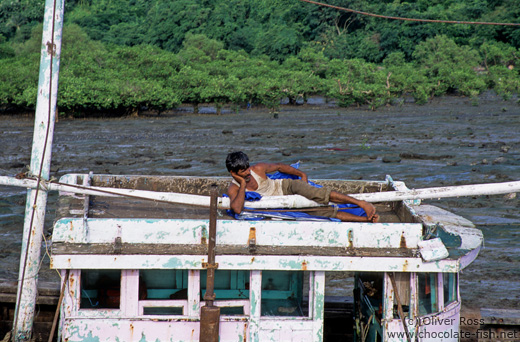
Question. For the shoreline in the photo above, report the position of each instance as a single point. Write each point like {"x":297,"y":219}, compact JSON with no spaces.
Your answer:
{"x":314,"y":102}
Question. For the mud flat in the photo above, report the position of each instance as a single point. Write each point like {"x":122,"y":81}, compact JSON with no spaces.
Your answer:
{"x":450,"y":141}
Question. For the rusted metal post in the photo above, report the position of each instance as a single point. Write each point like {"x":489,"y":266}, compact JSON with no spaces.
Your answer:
{"x":40,"y":166}
{"x":210,"y":314}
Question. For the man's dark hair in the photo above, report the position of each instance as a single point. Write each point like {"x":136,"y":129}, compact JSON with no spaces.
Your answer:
{"x":237,"y":161}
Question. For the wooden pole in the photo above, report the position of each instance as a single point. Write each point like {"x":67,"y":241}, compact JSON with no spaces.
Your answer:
{"x":58,"y":308}
{"x":442,"y":192}
{"x":40,"y":167}
{"x":210,"y":314}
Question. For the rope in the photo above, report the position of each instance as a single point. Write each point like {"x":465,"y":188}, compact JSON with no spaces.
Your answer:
{"x":367,"y":328}
{"x":26,"y":256}
{"x":108,"y":192}
{"x":408,"y":19}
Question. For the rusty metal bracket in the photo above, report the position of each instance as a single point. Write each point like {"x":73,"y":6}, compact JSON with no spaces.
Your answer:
{"x":208,"y":265}
{"x":204,"y":236}
{"x":118,"y":245}
{"x":118,"y":242}
{"x":51,"y":48}
{"x":252,"y":240}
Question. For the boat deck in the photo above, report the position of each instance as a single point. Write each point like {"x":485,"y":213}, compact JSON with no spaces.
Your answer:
{"x":160,"y":232}
{"x":119,"y":207}
{"x":112,"y":207}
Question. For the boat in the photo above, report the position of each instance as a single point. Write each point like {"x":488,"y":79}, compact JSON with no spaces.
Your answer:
{"x":135,"y":269}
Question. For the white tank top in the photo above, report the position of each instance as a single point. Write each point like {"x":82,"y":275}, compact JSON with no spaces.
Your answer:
{"x":266,"y":187}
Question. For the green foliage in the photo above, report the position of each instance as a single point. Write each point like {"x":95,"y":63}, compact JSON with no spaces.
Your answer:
{"x":111,"y":21}
{"x":197,"y":48}
{"x":126,"y":55}
{"x":17,"y":18}
{"x":168,"y":22}
{"x":6,"y":50}
{"x":503,"y":80}
{"x":501,"y":61}
{"x":19,"y":81}
{"x":357,"y":82}
{"x":507,"y":11}
{"x":498,"y":53}
{"x":279,"y":41}
{"x":407,"y":78}
{"x":278,"y":29}
{"x":449,"y":66}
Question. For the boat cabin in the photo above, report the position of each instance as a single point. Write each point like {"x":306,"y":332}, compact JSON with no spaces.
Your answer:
{"x":136,"y":270}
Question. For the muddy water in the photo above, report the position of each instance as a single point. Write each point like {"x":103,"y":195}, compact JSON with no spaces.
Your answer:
{"x":448,"y":142}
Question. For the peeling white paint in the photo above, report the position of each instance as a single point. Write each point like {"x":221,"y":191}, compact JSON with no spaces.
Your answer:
{"x":232,"y":232}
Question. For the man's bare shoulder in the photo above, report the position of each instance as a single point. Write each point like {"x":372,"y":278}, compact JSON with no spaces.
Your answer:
{"x":262,"y":167}
{"x":233,"y":184}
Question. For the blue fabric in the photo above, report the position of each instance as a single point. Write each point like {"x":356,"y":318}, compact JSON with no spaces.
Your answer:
{"x":253,"y":214}
{"x":281,"y":175}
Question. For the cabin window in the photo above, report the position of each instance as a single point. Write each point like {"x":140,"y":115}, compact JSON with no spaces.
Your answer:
{"x":100,"y":289}
{"x":449,"y":281}
{"x":230,"y":286}
{"x":163,"y":292}
{"x":427,"y":289}
{"x":402,"y":281}
{"x":282,"y":293}
{"x":163,"y":284}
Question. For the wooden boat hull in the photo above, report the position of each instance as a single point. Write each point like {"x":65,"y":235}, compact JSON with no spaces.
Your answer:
{"x":95,"y":236}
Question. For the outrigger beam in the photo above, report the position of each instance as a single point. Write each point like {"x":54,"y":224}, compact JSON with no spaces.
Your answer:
{"x":271,"y":202}
{"x":40,"y":165}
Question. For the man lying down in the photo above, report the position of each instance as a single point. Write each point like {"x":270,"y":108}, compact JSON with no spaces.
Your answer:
{"x":255,"y":179}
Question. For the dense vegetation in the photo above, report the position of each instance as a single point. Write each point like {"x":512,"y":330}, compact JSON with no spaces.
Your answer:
{"x":124,"y":55}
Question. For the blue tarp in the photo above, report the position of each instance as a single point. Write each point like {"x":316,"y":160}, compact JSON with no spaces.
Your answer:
{"x":255,"y":214}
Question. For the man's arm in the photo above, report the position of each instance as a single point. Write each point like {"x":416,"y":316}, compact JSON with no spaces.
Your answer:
{"x":237,"y":195}
{"x":264,"y":168}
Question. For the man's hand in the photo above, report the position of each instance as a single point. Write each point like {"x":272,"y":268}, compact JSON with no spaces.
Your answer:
{"x":240,"y":180}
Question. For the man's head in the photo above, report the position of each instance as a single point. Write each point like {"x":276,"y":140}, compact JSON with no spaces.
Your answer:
{"x":237,"y":161}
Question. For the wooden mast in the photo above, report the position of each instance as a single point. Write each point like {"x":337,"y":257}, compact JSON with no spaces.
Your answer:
{"x":40,"y":168}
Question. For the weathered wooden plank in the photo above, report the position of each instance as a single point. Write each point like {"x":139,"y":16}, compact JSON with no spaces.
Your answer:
{"x":153,"y":249}
{"x":201,"y":185}
{"x":432,"y":215}
{"x":45,"y":288}
{"x":156,"y":329}
{"x":42,"y":300}
{"x":48,"y":292}
{"x":287,"y":329}
{"x":230,"y":232}
{"x":256,"y":262}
